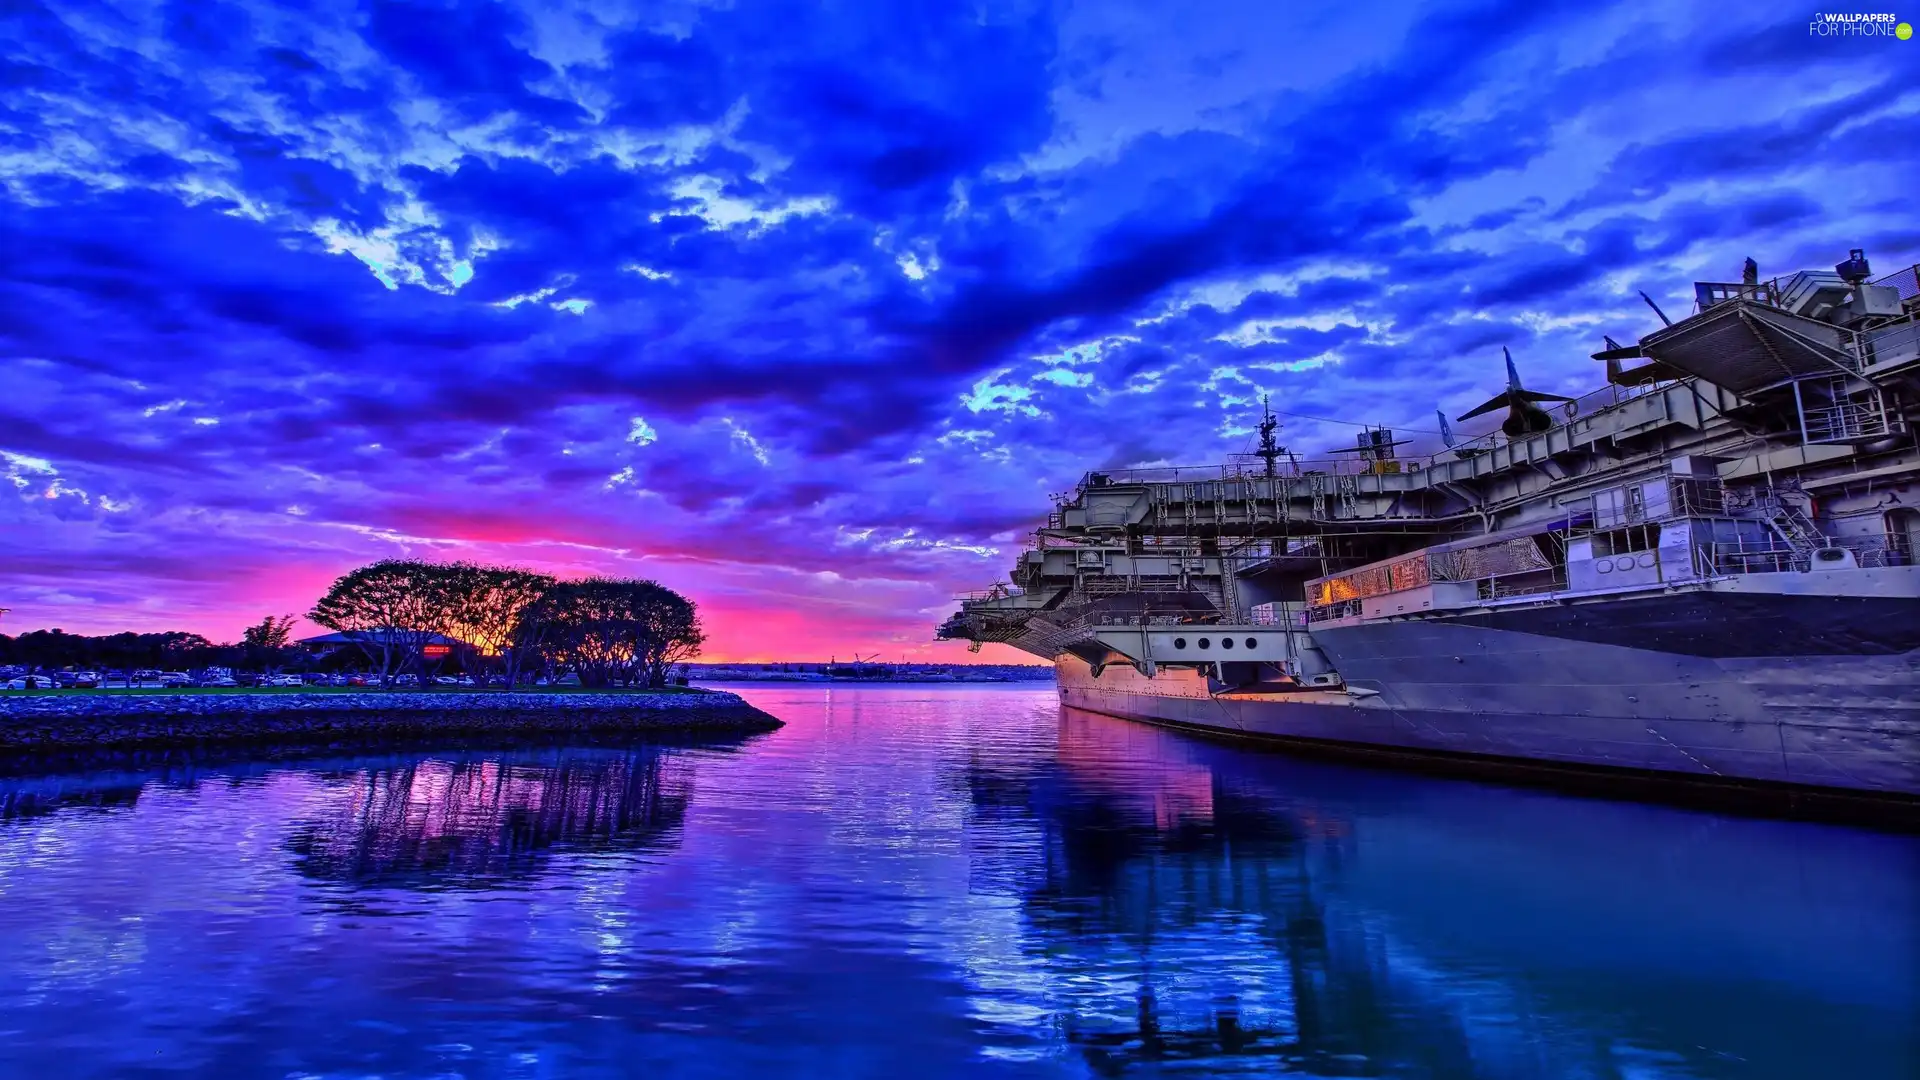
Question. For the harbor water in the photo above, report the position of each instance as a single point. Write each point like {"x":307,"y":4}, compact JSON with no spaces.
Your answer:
{"x":927,"y":882}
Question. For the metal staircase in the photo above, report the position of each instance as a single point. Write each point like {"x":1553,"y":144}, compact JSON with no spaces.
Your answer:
{"x":1800,"y":532}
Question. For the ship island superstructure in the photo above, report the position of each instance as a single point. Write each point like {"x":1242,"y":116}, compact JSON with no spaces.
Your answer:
{"x":1707,"y":570}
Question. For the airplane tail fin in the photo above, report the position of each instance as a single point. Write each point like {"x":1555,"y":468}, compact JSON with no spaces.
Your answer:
{"x":1501,"y":401}
{"x":1515,"y":396}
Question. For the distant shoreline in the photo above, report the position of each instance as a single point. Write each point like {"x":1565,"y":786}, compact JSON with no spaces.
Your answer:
{"x":834,"y":680}
{"x":63,"y":724}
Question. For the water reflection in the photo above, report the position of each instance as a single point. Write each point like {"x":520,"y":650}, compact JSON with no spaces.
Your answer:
{"x":1342,"y":922}
{"x":930,"y":883}
{"x":32,"y":798}
{"x":473,"y":822}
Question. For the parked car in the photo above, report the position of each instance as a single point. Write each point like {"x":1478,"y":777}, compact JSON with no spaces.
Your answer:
{"x":175,"y":678}
{"x":30,"y":682}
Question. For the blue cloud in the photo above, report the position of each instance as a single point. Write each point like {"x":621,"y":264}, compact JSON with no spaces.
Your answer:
{"x":300,"y":284}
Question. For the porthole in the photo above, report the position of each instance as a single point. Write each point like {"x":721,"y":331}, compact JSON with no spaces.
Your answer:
{"x":1605,"y":566}
{"x":1206,"y":643}
{"x":1179,"y":643}
{"x":1646,"y":560}
{"x":1226,"y":643}
{"x":1251,"y":643}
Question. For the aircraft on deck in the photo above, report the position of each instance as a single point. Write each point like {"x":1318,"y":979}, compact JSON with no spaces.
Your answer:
{"x":1523,"y":416}
{"x":1453,"y":443}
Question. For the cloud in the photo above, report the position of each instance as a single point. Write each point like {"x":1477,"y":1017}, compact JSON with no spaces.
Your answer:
{"x":700,"y":292}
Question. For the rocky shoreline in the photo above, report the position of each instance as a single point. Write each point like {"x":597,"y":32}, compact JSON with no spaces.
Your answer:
{"x":83,"y":722}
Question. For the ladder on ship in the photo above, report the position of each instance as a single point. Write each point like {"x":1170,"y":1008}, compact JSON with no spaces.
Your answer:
{"x":1796,"y":528}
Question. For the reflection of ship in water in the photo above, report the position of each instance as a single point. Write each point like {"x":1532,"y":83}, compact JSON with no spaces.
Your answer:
{"x":1154,"y":871}
{"x":453,"y":822}
{"x":1196,"y":907}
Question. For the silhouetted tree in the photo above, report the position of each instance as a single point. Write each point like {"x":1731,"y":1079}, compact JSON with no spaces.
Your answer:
{"x":673,"y":632}
{"x":269,"y":633}
{"x":488,"y":604}
{"x":392,"y":610}
{"x":178,"y":650}
{"x":51,"y":650}
{"x":618,"y":631}
{"x":265,"y":644}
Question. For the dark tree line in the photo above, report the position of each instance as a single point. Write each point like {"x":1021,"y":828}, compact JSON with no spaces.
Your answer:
{"x":401,"y":613}
{"x":54,"y":650}
{"x":262,"y":647}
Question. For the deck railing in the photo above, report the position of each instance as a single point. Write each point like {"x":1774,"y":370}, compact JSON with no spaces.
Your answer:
{"x":1775,"y":556}
{"x":1907,"y":281}
{"x":1342,"y":609}
{"x":1708,"y":293}
{"x":1353,"y":464}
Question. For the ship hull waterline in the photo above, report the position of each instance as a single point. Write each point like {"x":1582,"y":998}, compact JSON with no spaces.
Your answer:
{"x":1772,"y":768}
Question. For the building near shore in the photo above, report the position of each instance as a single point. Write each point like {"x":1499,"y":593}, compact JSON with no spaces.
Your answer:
{"x":438,"y":646}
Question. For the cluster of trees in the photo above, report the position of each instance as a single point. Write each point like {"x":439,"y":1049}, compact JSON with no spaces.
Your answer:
{"x":400,"y":613}
{"x":265,"y":646}
{"x":53,"y":650}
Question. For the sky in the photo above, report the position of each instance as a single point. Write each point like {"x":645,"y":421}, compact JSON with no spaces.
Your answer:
{"x":806,"y":308}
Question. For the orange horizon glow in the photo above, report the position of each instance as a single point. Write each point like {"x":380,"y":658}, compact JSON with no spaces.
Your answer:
{"x":735,"y":635}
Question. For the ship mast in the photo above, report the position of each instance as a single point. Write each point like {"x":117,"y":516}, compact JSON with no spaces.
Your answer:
{"x":1270,"y":449}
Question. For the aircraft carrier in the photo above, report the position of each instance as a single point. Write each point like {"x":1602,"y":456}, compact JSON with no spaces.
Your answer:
{"x":1703,"y":572}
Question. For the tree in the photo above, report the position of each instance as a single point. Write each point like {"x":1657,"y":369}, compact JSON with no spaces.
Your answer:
{"x":625,"y":631}
{"x":590,"y":629}
{"x":122,"y":652}
{"x":51,"y":649}
{"x":673,"y":633}
{"x":535,"y":636}
{"x":392,"y":610}
{"x":126,"y":651}
{"x":488,"y":605}
{"x":180,"y":650}
{"x":266,"y":643}
{"x":271,"y":633}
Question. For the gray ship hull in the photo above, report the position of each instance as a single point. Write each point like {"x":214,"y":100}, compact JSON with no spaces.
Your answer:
{"x":1560,"y":696}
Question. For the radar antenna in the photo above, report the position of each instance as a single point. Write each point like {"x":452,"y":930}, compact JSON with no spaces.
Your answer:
{"x":1270,"y":449}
